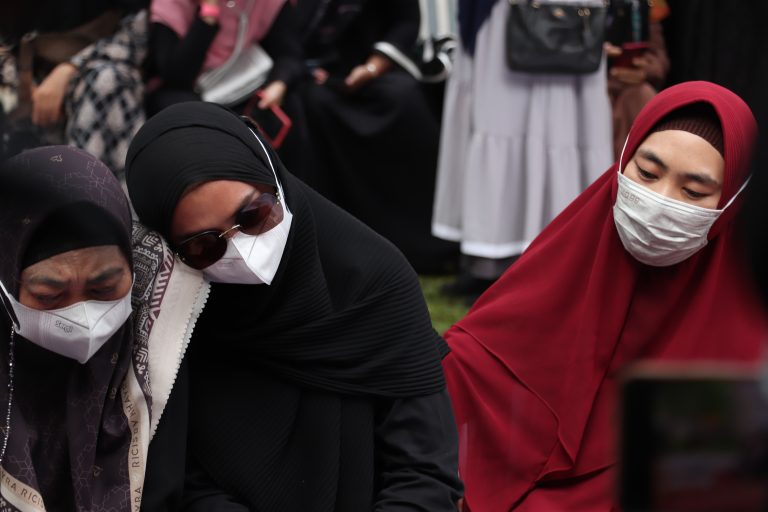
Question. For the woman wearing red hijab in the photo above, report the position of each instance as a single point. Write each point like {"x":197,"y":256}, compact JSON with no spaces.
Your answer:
{"x":645,"y":264}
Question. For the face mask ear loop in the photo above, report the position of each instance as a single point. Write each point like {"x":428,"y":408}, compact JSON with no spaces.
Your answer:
{"x":621,"y":156}
{"x":738,"y":192}
{"x":279,"y":187}
{"x":5,"y":298}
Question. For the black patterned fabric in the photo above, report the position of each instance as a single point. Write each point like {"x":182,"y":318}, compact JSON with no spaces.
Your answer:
{"x":104,"y":104}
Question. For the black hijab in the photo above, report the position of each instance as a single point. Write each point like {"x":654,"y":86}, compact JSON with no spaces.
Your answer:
{"x":70,"y":436}
{"x":281,"y":371}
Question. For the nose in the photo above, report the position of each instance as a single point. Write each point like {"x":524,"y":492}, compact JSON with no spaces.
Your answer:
{"x":665,"y":187}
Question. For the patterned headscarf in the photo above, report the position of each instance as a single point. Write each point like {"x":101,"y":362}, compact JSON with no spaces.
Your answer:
{"x":79,"y":432}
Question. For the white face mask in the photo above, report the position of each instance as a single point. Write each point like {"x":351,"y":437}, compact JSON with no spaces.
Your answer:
{"x":657,"y":230}
{"x":254,"y":259}
{"x":77,"y":331}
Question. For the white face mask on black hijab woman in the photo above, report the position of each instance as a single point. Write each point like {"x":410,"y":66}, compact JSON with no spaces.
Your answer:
{"x":322,"y":390}
{"x":234,"y":231}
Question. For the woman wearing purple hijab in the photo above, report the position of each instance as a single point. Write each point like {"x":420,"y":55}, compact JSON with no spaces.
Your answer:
{"x":75,"y":416}
{"x":79,"y":405}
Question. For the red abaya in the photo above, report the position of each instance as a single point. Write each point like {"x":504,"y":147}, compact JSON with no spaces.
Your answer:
{"x":533,"y":369}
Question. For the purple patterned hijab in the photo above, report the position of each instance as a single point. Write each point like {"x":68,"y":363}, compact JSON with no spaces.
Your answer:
{"x":79,"y":432}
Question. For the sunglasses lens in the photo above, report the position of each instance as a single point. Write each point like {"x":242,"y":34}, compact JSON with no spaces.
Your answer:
{"x":203,"y":250}
{"x":263,"y":214}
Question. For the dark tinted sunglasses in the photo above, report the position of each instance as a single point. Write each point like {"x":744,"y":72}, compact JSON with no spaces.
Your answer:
{"x":259,"y":216}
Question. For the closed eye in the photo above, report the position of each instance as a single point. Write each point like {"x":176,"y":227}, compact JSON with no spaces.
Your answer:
{"x":104,"y":292}
{"x":47,"y":299}
{"x":649,"y":176}
{"x":694,"y":195}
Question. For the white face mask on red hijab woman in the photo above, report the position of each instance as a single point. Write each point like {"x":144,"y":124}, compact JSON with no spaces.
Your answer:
{"x":670,"y":188}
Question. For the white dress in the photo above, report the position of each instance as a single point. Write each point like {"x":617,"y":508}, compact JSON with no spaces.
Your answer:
{"x":516,"y":148}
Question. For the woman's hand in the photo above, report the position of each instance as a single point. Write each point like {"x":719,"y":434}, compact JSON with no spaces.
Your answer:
{"x":213,"y":5}
{"x":634,"y":75}
{"x":630,"y":76}
{"x":48,"y":97}
{"x":376,"y":66}
{"x":272,"y":95}
{"x":320,"y":75}
{"x":611,"y":50}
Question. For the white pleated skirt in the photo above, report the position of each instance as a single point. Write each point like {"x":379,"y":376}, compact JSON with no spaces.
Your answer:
{"x":516,"y":148}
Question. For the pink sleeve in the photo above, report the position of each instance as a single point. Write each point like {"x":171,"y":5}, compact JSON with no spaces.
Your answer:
{"x":175,"y":14}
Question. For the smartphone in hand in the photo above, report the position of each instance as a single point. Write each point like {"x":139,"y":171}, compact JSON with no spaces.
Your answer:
{"x":629,"y":52}
{"x":273,"y":123}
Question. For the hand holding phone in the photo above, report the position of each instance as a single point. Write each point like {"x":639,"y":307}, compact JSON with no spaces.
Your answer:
{"x":629,"y":52}
{"x":273,"y":123}
{"x":272,"y":94}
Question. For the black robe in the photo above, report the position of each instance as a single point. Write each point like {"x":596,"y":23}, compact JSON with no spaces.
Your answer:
{"x":722,"y":42}
{"x":373,"y":151}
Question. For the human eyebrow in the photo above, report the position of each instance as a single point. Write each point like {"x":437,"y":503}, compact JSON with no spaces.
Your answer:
{"x":46,"y":281}
{"x":653,"y":157}
{"x":105,"y":276}
{"x":702,"y":178}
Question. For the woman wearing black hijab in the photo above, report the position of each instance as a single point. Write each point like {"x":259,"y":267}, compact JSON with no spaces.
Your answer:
{"x":75,"y":397}
{"x":314,"y":372}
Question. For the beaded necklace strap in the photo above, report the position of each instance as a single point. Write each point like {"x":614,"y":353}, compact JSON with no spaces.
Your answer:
{"x":7,"y":429}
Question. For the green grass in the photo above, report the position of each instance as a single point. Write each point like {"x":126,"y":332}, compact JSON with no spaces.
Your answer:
{"x":445,"y":311}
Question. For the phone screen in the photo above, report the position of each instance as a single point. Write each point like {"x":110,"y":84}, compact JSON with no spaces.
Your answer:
{"x":694,"y":444}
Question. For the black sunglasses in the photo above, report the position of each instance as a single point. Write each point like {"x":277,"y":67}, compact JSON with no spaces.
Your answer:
{"x":204,"y":249}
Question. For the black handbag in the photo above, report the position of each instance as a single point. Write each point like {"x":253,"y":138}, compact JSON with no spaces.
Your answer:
{"x":555,"y":37}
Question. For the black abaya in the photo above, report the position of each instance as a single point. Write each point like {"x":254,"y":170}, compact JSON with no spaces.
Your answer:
{"x":722,"y":42}
{"x":322,"y":391}
{"x":374,"y":149}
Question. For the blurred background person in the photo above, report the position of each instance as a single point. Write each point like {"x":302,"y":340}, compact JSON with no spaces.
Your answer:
{"x":189,"y":37}
{"x":370,"y":132}
{"x":516,"y":148}
{"x":78,"y":73}
{"x":632,"y":82}
{"x":722,"y":42}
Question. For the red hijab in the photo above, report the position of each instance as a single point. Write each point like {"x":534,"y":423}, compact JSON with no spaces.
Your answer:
{"x":533,"y":368}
